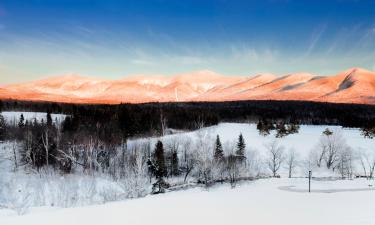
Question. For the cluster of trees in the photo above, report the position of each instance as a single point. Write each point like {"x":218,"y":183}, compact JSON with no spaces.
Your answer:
{"x":39,"y":141}
{"x":144,"y":119}
{"x":332,"y":152}
{"x":70,"y":145}
{"x":69,"y":148}
{"x":208,"y":164}
{"x":368,"y":131}
{"x":282,"y":127}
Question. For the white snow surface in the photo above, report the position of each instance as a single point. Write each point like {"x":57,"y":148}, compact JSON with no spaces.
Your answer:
{"x":258,"y":202}
{"x":306,"y":139}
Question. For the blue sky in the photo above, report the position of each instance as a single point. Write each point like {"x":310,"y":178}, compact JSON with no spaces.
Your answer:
{"x":115,"y":38}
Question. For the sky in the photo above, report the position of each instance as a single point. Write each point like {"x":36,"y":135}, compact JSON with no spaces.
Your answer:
{"x":113,"y":39}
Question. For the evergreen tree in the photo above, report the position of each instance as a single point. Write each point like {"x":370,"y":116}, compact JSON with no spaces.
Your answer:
{"x":2,"y":127}
{"x":49,"y":120}
{"x":21,"y":122}
{"x":174,"y":161}
{"x":219,"y":153}
{"x":327,"y":132}
{"x":160,"y":169}
{"x":241,"y":146}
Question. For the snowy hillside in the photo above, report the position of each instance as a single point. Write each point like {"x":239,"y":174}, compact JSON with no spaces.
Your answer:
{"x":303,"y":142}
{"x":49,"y":196}
{"x":260,"y":202}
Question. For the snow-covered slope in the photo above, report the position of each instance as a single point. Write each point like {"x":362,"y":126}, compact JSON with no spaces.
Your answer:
{"x":352,"y":86}
{"x":303,"y":142}
{"x":264,"y":201}
{"x":261,"y":202}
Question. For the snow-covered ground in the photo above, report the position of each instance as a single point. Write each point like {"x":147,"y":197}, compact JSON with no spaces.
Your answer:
{"x":257,"y":202}
{"x":303,"y":142}
{"x":306,"y":139}
{"x":267,"y":201}
{"x":12,"y":117}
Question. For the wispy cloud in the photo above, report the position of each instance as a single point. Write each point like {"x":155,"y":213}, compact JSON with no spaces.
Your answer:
{"x":249,"y":53}
{"x":368,"y":38}
{"x":315,"y":37}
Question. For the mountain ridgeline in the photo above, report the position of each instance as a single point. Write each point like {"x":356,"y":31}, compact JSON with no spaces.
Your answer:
{"x":355,"y":85}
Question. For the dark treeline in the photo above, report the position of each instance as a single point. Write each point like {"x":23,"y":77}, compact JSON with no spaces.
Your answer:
{"x":136,"y":119}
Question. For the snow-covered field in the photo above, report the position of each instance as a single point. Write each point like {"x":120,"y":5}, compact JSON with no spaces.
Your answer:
{"x":258,"y":202}
{"x":12,"y":117}
{"x":265,"y":201}
{"x":306,"y":139}
{"x":303,"y":142}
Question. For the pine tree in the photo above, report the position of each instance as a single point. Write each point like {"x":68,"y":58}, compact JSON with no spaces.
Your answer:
{"x":174,"y":162}
{"x":219,"y":153}
{"x":49,"y":120}
{"x":159,"y":169}
{"x":2,"y":127}
{"x":241,"y":146}
{"x":159,"y":160}
{"x":21,"y":122}
{"x":327,"y":132}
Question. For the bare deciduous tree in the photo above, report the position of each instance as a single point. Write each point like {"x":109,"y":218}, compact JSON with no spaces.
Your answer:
{"x":253,"y":163}
{"x":188,"y":160}
{"x":15,"y":152}
{"x":345,"y":163}
{"x":203,"y":153}
{"x":45,"y":141}
{"x":367,"y":162}
{"x":275,"y":156}
{"x":163,"y":124}
{"x":233,"y":169}
{"x":136,"y":179}
{"x":291,"y":161}
{"x":332,"y":144}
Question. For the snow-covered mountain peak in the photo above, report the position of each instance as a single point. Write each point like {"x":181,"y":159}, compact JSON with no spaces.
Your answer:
{"x":353,"y":85}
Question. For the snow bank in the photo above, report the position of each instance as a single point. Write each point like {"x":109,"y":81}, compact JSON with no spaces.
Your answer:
{"x":24,"y":188}
{"x":260,"y":202}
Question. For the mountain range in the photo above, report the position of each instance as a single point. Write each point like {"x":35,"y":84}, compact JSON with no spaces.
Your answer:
{"x":355,"y":85}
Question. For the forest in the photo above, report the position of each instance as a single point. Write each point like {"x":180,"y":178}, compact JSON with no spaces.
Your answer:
{"x":148,"y":119}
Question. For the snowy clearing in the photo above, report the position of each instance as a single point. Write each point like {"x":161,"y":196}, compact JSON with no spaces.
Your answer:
{"x":12,"y":117}
{"x":259,"y":202}
{"x":306,"y":139}
{"x":303,"y":142}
